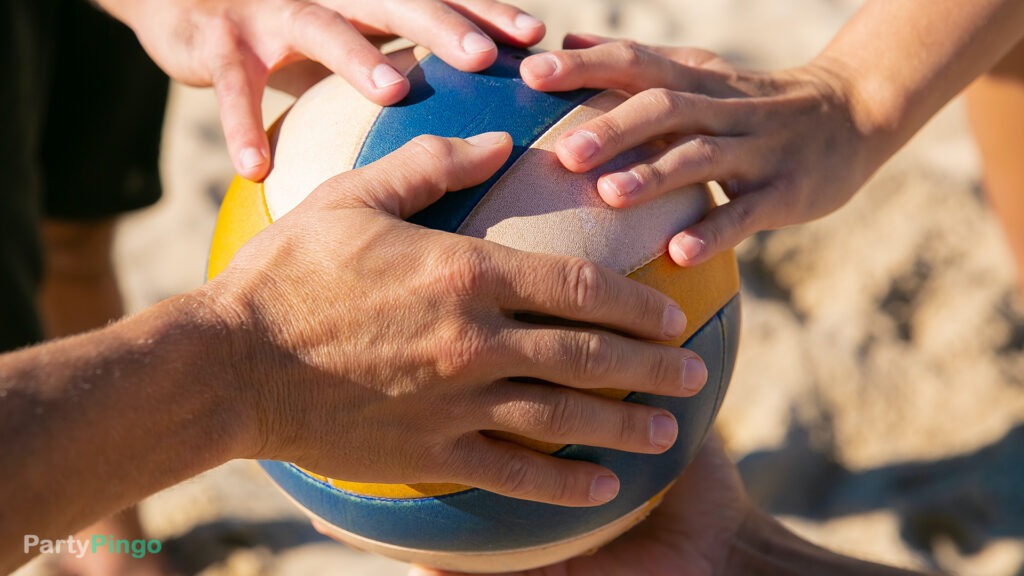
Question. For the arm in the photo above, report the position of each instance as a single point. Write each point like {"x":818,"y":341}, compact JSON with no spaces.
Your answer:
{"x":706,"y":526}
{"x":235,"y":45}
{"x":786,"y":146}
{"x":903,"y":61}
{"x":337,"y":318}
{"x":93,"y":423}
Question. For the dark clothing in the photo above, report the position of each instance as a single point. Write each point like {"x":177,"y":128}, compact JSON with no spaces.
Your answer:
{"x":80,"y":141}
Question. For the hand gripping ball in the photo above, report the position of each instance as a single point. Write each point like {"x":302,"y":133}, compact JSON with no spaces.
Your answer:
{"x":533,"y":203}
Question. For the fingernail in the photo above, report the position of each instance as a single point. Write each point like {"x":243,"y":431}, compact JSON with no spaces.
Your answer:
{"x":673,"y":321}
{"x":487,"y":139}
{"x":384,"y":76}
{"x":623,"y":183}
{"x":604,"y":488}
{"x":663,"y":431}
{"x":542,"y":66}
{"x":526,"y":22}
{"x":695,"y":375}
{"x":582,"y":145}
{"x":251,"y":158}
{"x":690,"y":247}
{"x":475,"y":43}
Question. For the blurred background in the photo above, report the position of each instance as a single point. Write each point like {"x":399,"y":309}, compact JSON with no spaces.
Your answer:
{"x":878,"y":402}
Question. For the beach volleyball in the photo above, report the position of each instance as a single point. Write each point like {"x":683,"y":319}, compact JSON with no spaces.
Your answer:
{"x":534,"y":204}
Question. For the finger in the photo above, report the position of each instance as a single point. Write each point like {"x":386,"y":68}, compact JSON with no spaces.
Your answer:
{"x":296,"y":78}
{"x":721,"y":229}
{"x":504,"y":23}
{"x":651,"y":114}
{"x":518,"y":472}
{"x":591,"y":359}
{"x":320,"y":527}
{"x":621,"y":64}
{"x":552,"y":414}
{"x":435,"y":25}
{"x":238,"y":84}
{"x":417,"y":174}
{"x":576,"y":289}
{"x":325,"y":36}
{"x":580,"y":41}
{"x":688,"y":161}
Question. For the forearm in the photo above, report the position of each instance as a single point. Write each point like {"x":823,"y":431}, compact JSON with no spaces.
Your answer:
{"x":765,"y":547}
{"x":98,"y":421}
{"x":905,"y":59}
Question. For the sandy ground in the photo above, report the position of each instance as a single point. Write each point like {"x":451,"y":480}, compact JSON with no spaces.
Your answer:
{"x":878,"y":402}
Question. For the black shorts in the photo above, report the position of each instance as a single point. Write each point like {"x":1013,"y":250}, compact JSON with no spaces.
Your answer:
{"x":83,"y":114}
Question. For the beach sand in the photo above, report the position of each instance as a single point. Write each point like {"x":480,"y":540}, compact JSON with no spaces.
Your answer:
{"x":878,"y":401}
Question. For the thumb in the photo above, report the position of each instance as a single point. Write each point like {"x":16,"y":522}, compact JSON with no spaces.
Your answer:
{"x":417,"y":174}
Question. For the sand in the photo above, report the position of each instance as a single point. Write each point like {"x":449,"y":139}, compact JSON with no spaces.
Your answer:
{"x":878,"y":402}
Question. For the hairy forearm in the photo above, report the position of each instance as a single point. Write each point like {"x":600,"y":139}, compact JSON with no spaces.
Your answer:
{"x":905,"y":59}
{"x":765,"y":547}
{"x":98,"y":421}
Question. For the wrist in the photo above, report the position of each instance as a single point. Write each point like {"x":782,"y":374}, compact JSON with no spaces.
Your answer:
{"x":195,"y":339}
{"x":227,"y":338}
{"x":875,"y":108}
{"x":244,"y":356}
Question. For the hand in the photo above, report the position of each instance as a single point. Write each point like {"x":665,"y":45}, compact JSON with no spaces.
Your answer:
{"x":786,"y":147}
{"x":375,"y":350}
{"x":234,"y":46}
{"x":691,"y":533}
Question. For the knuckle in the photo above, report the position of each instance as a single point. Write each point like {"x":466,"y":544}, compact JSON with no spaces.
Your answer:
{"x":584,"y":285}
{"x":630,"y":53}
{"x":447,"y":459}
{"x":517,"y":477}
{"x":462,"y":271}
{"x":306,"y":15}
{"x":665,"y":368}
{"x":608,"y":129}
{"x":432,"y":454}
{"x":648,"y":305}
{"x":462,"y":346}
{"x":462,"y":276}
{"x":741,"y":217}
{"x":571,"y":62}
{"x":563,"y":488}
{"x":437,"y":150}
{"x":592,"y":356}
{"x":632,"y":427}
{"x":651,"y":176}
{"x":563,"y":418}
{"x":662,"y":101}
{"x":707,"y":151}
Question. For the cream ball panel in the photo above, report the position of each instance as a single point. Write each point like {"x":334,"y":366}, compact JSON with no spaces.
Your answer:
{"x":320,"y":136}
{"x":539,"y":206}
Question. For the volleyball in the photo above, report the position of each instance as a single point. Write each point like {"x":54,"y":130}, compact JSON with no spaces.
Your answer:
{"x":532,"y":204}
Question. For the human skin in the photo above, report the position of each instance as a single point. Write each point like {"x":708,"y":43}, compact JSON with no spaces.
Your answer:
{"x":995,"y":106}
{"x":357,"y":345}
{"x":786,"y":146}
{"x":80,"y":292}
{"x":706,"y":526}
{"x":235,"y":45}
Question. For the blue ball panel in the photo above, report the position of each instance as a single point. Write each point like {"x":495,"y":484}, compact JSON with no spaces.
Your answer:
{"x":446,"y":102}
{"x":476,"y":520}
